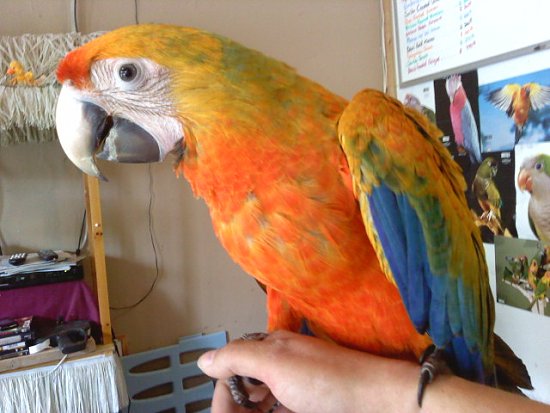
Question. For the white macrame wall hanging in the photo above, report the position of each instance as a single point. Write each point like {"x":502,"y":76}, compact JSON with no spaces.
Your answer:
{"x":28,"y":86}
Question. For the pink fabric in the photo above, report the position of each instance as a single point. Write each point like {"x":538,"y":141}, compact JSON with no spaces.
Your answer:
{"x":71,"y":300}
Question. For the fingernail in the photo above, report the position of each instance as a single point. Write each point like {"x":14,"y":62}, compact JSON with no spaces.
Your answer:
{"x":206,"y":359}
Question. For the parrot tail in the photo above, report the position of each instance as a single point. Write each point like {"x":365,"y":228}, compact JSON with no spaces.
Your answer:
{"x":519,"y":133}
{"x":511,"y":373}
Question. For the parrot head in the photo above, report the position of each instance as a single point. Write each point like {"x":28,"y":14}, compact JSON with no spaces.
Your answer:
{"x":452,"y":84}
{"x":534,"y":174}
{"x":136,"y":94}
{"x":488,"y":168}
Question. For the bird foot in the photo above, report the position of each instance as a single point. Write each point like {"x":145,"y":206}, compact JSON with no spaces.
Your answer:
{"x":432,"y":364}
{"x":236,"y":383}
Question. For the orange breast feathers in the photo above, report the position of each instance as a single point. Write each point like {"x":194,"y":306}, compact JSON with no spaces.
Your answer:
{"x":300,"y":232}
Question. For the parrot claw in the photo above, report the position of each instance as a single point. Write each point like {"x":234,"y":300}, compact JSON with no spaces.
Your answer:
{"x":236,"y":383}
{"x":433,"y":363}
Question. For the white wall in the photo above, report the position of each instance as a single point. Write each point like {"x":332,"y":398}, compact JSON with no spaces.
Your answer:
{"x":335,"y":42}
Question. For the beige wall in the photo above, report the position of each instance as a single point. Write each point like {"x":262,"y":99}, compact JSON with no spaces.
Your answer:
{"x":336,"y":42}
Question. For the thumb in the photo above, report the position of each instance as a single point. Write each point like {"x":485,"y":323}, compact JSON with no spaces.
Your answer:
{"x":240,"y":358}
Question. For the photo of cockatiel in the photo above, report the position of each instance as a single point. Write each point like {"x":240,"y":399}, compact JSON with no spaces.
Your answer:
{"x":352,"y":214}
{"x":534,"y":177}
{"x":463,"y":122}
{"x":518,"y":101}
{"x":488,"y":196}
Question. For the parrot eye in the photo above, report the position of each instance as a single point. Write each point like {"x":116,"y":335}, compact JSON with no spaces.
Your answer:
{"x":538,"y":166}
{"x":128,"y":72}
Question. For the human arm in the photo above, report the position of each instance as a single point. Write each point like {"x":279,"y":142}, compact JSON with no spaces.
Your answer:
{"x":309,"y":375}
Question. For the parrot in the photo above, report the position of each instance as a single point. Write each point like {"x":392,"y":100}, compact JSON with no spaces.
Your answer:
{"x":517,"y":101}
{"x":352,"y":214}
{"x":413,"y":102}
{"x":462,"y":120}
{"x":488,"y":195}
{"x":534,"y":177}
{"x":517,"y":270}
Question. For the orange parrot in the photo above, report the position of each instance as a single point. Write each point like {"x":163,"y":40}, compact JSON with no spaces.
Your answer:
{"x":517,"y":101}
{"x":352,"y":214}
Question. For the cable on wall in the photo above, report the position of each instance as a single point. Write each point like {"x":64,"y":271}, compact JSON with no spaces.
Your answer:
{"x":153,"y":246}
{"x":75,"y":15}
{"x":136,"y":17}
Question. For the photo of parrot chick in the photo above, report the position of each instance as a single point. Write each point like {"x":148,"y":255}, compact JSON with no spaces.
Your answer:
{"x":463,"y":121}
{"x":413,"y":102}
{"x":516,"y":270}
{"x":19,"y":76}
{"x":541,"y":293}
{"x":517,"y":101}
{"x":530,"y":277}
{"x":534,"y":177}
{"x":488,"y":196}
{"x":353,"y":215}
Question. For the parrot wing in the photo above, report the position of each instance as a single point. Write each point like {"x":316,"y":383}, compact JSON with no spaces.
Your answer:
{"x":539,"y":95}
{"x":471,"y":136}
{"x":503,"y":98}
{"x":412,"y":200}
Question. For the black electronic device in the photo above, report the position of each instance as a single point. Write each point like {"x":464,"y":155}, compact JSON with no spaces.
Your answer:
{"x":47,"y":255}
{"x":71,"y":336}
{"x":17,"y":258}
{"x":27,"y":279}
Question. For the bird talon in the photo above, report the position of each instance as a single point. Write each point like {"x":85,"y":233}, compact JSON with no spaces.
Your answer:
{"x":433,"y":364}
{"x":238,"y":392}
{"x":236,"y":383}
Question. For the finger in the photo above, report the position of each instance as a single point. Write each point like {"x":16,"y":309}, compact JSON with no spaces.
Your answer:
{"x":241,"y":358}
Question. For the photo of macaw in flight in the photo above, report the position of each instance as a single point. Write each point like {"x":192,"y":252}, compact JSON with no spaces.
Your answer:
{"x":518,"y":101}
{"x":515,"y":110}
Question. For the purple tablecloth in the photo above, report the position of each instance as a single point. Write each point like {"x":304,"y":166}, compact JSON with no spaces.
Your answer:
{"x":71,"y":300}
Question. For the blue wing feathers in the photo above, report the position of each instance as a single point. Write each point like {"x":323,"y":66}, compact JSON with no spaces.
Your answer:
{"x":431,"y":296}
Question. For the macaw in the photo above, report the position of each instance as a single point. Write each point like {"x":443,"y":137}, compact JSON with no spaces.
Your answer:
{"x":351,"y":214}
{"x":534,"y":177}
{"x":488,"y":195}
{"x":517,"y":101}
{"x":462,"y":119}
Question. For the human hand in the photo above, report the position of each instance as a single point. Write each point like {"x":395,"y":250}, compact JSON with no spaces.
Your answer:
{"x":304,"y":374}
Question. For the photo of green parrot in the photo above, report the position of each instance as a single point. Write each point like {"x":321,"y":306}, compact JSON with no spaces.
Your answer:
{"x":534,"y":177}
{"x":488,"y":196}
{"x":351,"y":214}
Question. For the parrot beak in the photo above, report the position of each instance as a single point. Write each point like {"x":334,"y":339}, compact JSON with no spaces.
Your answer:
{"x":87,"y":131}
{"x":525,"y":181}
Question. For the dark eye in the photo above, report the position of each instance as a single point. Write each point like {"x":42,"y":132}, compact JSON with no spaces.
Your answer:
{"x":128,"y":72}
{"x":538,"y":166}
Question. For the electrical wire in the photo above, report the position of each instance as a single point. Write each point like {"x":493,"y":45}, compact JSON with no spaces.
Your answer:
{"x":136,"y":18}
{"x":75,"y":15}
{"x":83,"y":233}
{"x":153,"y":247}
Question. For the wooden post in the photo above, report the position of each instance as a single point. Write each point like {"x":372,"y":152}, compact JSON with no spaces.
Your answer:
{"x":97,"y":250}
{"x":389,"y":43}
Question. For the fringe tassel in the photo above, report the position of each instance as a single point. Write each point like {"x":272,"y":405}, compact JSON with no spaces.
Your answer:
{"x":91,"y":385}
{"x":27,"y":113}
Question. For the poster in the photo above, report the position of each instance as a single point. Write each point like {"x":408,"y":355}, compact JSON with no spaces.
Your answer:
{"x":493,"y":119}
{"x":513,"y":166}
